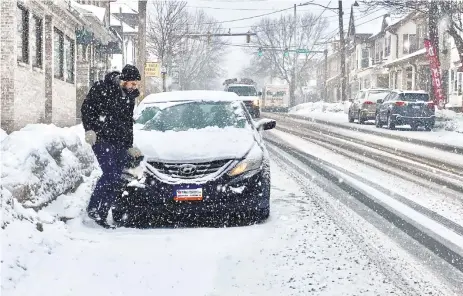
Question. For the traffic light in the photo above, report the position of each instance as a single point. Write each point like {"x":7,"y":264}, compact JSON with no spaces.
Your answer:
{"x":248,"y":38}
{"x":259,"y":53}
{"x":286,"y":53}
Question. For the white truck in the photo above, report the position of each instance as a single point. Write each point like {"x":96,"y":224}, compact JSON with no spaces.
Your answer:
{"x":275,"y":98}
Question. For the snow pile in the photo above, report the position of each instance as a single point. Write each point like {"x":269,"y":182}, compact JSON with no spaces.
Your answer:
{"x":449,"y":120}
{"x":3,"y":135}
{"x":41,"y":162}
{"x":319,"y":107}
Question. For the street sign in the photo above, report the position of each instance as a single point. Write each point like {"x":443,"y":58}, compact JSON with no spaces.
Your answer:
{"x":302,"y":50}
{"x":152,"y":69}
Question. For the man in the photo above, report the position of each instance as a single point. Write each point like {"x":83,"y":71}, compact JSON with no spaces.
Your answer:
{"x":107,"y":117}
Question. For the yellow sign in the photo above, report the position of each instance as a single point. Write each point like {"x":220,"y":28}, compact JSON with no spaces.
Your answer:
{"x":152,"y":69}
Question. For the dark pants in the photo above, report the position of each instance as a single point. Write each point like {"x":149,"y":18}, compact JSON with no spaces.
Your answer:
{"x":112,"y":160}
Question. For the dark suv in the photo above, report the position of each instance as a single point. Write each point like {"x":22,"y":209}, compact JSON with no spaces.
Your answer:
{"x":406,"y":107}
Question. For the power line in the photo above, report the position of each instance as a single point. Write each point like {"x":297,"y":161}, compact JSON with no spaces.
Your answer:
{"x":246,"y":18}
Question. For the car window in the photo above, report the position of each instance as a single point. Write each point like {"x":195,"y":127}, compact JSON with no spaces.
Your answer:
{"x":414,"y":97}
{"x":199,"y":115}
{"x":377,"y":96}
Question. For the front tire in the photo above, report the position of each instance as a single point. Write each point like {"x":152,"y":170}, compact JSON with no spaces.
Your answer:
{"x":351,"y":119}
{"x":390,"y":122}
{"x":360,"y":119}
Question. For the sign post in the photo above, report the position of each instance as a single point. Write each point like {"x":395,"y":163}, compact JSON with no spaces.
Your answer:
{"x":152,"y":69}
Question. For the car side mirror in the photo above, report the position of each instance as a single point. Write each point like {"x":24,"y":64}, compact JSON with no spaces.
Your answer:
{"x":259,"y":93}
{"x":380,"y":101}
{"x":266,"y":124}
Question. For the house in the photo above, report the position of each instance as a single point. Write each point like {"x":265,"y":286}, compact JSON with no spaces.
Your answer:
{"x":41,"y":60}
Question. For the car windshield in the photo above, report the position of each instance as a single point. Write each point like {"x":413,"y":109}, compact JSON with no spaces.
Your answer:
{"x":414,"y":97}
{"x":198,"y":115}
{"x":147,"y":114}
{"x":245,"y":91}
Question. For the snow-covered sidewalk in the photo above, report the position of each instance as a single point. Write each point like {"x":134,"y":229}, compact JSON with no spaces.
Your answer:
{"x":448,"y":130}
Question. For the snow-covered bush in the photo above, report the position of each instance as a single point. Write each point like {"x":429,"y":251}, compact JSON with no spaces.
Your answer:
{"x":3,"y":135}
{"x":449,"y":120}
{"x":41,"y":162}
{"x":319,"y":106}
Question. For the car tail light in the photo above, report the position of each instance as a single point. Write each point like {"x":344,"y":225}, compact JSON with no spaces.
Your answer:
{"x":368,"y":103}
{"x":431,"y":105}
{"x":399,"y":103}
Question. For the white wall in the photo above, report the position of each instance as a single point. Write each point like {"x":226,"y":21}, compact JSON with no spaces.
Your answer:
{"x":64,"y":103}
{"x":29,"y":103}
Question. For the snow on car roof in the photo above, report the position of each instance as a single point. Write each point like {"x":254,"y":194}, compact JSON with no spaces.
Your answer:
{"x":411,"y":91}
{"x":192,"y":95}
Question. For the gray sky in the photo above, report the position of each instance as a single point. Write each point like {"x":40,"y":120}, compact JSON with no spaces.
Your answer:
{"x":230,"y":10}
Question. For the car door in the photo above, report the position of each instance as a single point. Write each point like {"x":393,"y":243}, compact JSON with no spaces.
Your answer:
{"x":355,"y":104}
{"x":384,"y":107}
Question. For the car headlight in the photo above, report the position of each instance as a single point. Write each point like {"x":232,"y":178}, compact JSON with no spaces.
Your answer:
{"x":253,"y":161}
{"x":256,"y":102}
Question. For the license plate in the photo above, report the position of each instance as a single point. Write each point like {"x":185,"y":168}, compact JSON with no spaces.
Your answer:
{"x":188,"y":194}
{"x":416,"y":107}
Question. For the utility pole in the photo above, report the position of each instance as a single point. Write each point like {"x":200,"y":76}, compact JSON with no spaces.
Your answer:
{"x":325,"y":90}
{"x":342,"y":52}
{"x":142,"y":45}
{"x":293,"y":73}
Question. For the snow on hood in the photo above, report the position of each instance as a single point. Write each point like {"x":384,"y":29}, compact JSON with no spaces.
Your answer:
{"x":195,"y":145}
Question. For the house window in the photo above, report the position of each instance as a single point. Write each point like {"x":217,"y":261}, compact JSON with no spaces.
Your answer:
{"x":456,"y":81}
{"x":387,"y":48}
{"x":58,"y":51}
{"x":69,"y":54}
{"x":379,"y":48}
{"x":22,"y":33}
{"x":422,"y":33}
{"x":409,"y":43}
{"x":36,"y":41}
{"x":365,"y":58}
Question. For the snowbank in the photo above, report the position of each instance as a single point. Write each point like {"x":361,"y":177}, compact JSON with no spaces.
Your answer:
{"x":41,"y":162}
{"x":318,"y":107}
{"x":449,"y":120}
{"x":3,"y":135}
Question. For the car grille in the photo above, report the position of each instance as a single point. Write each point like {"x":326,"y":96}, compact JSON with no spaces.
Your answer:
{"x":189,"y":170}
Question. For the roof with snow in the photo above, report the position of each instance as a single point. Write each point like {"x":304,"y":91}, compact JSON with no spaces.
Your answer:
{"x":191,"y":95}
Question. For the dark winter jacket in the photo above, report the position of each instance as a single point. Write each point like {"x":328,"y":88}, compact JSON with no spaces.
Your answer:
{"x":108,"y":111}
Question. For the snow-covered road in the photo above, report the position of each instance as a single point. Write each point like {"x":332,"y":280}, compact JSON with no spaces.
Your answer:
{"x":300,"y":250}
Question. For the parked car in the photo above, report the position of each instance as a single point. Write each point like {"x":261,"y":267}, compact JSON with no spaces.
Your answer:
{"x":412,"y":108}
{"x":204,"y":155}
{"x":363,"y":106}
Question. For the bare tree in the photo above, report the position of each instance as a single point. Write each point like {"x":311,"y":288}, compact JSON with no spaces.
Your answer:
{"x":166,"y":27}
{"x":199,"y":59}
{"x":449,"y":11}
{"x":276,"y":35}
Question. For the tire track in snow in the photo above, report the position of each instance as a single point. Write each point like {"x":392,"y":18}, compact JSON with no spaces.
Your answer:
{"x":432,"y":244}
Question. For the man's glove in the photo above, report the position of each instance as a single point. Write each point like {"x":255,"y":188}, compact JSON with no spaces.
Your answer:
{"x":90,"y":137}
{"x":134,"y":152}
{"x":136,"y":157}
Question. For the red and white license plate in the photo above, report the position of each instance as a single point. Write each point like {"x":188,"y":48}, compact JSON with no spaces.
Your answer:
{"x":188,"y":194}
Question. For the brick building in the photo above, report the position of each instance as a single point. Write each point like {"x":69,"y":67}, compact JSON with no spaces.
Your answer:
{"x":49,"y":50}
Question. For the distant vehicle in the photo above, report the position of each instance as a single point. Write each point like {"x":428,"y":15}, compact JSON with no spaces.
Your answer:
{"x":363,"y":106}
{"x":246,"y":89}
{"x":275,"y":98}
{"x":204,"y":156}
{"x":413,"y":108}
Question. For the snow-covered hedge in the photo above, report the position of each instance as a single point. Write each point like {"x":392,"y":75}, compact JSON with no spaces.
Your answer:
{"x":41,"y":162}
{"x":449,"y":120}
{"x":320,"y":106}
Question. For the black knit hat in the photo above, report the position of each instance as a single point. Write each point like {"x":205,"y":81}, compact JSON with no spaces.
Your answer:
{"x":130,"y":73}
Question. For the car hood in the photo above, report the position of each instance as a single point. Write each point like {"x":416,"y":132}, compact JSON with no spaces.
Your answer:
{"x":194,"y":145}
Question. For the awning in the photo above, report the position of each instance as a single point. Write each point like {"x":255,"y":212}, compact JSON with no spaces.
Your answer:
{"x":92,"y":26}
{"x":411,"y":56}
